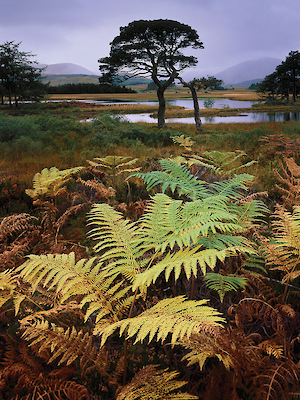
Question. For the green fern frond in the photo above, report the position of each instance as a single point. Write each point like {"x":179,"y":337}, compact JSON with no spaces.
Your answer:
{"x":234,"y":187}
{"x":176,"y":316}
{"x":176,"y":177}
{"x":223,"y":284}
{"x":118,"y":240}
{"x":167,"y":222}
{"x":254,"y":264}
{"x":222,"y":163}
{"x":153,"y":384}
{"x":49,"y":181}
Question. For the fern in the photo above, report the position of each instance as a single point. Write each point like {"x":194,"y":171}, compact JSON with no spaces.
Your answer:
{"x":118,"y":239}
{"x":115,"y":167}
{"x":168,"y":222}
{"x":277,"y":382}
{"x":153,"y":384}
{"x":203,"y":347}
{"x":186,"y":260}
{"x":65,"y":345}
{"x":184,"y":141}
{"x":9,"y":290}
{"x":78,"y":279}
{"x":222,"y":163}
{"x":176,"y":316}
{"x":49,"y":181}
{"x":223,"y":284}
{"x":176,"y":177}
{"x":283,"y":252}
{"x":122,"y":244}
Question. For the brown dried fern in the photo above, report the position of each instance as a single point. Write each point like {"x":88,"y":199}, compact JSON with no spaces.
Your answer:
{"x":290,"y":179}
{"x":276,"y":382}
{"x":278,"y":144}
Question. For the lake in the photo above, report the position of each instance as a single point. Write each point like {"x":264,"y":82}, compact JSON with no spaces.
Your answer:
{"x":186,"y":103}
{"x":243,"y":118}
{"x":218,"y":103}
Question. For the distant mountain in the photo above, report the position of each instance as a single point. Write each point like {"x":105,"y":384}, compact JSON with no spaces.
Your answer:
{"x":56,"y":80}
{"x":64,"y":69}
{"x":248,"y":71}
{"x":245,"y":84}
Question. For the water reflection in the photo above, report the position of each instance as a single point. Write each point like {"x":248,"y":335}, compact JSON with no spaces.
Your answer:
{"x":244,"y":118}
{"x":186,"y":103}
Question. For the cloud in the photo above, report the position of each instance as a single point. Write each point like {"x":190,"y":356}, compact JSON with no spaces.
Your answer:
{"x":79,"y":31}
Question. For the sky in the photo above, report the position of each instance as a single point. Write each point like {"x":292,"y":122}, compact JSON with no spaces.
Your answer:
{"x":80,"y":31}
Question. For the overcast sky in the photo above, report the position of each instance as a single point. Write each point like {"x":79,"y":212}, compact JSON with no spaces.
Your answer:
{"x":79,"y":31}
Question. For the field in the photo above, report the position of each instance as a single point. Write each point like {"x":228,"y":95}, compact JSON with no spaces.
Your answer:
{"x":128,"y":252}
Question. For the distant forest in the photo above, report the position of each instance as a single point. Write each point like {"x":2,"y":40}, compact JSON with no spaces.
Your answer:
{"x":72,"y":88}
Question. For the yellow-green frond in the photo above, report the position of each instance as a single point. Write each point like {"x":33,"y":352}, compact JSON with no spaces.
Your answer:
{"x":222,"y":163}
{"x":177,"y":317}
{"x":186,"y":260}
{"x":9,"y":290}
{"x":153,"y":384}
{"x":70,"y":279}
{"x":184,"y":141}
{"x":49,"y":181}
{"x":118,"y":240}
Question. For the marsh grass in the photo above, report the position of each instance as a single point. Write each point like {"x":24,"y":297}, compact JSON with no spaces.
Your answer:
{"x":50,"y":134}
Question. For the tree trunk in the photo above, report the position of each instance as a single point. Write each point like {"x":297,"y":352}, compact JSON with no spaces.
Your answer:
{"x":294,"y":86}
{"x":195,"y":102}
{"x":161,"y":107}
{"x":196,"y":109}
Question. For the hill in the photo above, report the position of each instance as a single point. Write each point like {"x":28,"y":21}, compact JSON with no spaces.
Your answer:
{"x":248,"y":71}
{"x":65,"y":69}
{"x":56,"y":80}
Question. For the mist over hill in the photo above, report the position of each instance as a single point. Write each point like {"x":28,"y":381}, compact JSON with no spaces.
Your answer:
{"x":248,"y":71}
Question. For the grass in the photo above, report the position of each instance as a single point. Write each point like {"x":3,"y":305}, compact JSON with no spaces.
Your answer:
{"x":49,"y":134}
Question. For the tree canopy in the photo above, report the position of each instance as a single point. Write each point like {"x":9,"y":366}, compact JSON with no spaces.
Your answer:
{"x":285,"y":80}
{"x":151,"y":48}
{"x":19,"y":77}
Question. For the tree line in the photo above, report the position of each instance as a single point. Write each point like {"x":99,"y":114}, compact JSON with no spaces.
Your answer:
{"x":285,"y":80}
{"x":20,"y":79}
{"x":88,"y":88}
